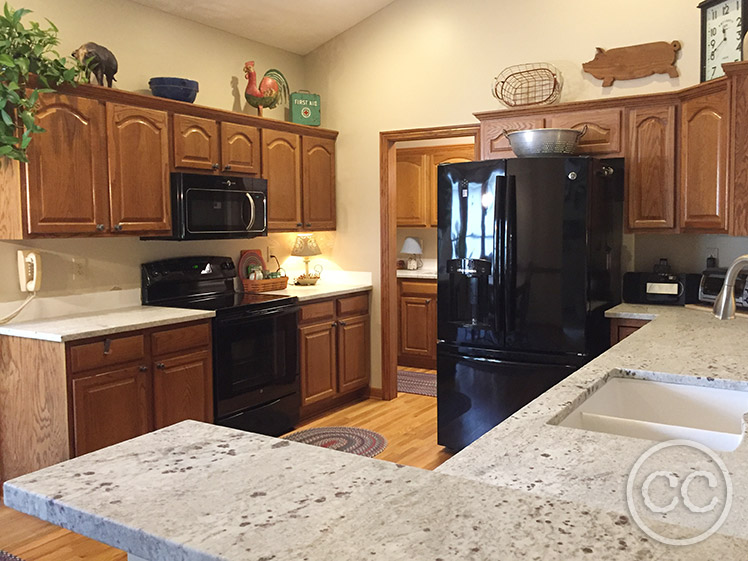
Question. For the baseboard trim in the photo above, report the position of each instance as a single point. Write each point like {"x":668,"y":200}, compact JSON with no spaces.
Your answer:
{"x":375,"y":393}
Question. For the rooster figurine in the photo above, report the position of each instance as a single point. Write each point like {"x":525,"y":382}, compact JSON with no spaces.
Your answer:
{"x":273,"y":88}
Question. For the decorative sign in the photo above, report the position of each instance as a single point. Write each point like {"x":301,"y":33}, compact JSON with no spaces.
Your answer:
{"x":305,"y":108}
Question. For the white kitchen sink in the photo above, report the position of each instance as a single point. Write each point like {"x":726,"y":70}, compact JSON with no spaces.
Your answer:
{"x":664,"y":411}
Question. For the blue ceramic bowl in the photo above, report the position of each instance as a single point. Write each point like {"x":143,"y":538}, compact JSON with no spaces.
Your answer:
{"x":179,"y":89}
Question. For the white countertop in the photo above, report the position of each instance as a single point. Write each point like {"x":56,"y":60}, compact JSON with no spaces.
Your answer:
{"x":322,"y":289}
{"x":106,"y":322}
{"x":417,"y":274}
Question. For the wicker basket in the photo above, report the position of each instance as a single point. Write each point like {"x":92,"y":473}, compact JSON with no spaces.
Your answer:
{"x":265,"y":285}
{"x":538,"y":83}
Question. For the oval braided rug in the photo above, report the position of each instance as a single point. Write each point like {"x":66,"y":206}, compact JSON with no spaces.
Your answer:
{"x":345,"y":439}
{"x":5,"y":556}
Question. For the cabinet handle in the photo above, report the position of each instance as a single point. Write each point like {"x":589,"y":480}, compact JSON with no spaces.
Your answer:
{"x":99,"y":227}
{"x":160,"y":365}
{"x":227,"y":167}
{"x":118,"y":228}
{"x":215,"y":166}
{"x":107,"y":346}
{"x":342,"y":323}
{"x":299,"y":224}
{"x":143,"y":368}
{"x":308,"y":224}
{"x":333,"y":324}
{"x":428,"y":300}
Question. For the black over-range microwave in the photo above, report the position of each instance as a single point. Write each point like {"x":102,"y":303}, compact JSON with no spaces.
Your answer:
{"x":217,"y":207}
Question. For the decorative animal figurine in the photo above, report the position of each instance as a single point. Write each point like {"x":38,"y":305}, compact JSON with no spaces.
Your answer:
{"x":637,"y":61}
{"x":99,"y":60}
{"x":272,"y":89}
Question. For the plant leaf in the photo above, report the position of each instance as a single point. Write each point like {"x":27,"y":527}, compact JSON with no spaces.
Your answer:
{"x":6,"y":118}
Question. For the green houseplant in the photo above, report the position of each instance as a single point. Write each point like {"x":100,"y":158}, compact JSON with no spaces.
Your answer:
{"x":29,"y":66}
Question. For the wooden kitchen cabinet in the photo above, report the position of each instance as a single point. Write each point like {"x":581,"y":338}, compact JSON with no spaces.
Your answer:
{"x":300,"y":171}
{"x":494,"y":144}
{"x":417,"y":181}
{"x":220,"y":147}
{"x":109,"y":407}
{"x":182,"y":389}
{"x":620,"y":328}
{"x":334,"y":351}
{"x":417,"y":322}
{"x":704,"y":142}
{"x":650,"y":168}
{"x":603,"y":134}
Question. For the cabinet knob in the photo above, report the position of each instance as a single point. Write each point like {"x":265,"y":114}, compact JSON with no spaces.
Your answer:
{"x":160,"y":365}
{"x":299,"y":224}
{"x":99,"y":227}
{"x":308,"y":224}
{"x":342,"y":323}
{"x":333,"y":324}
{"x":143,"y":368}
{"x":428,"y":300}
{"x":215,"y":166}
{"x":118,"y":228}
{"x":227,"y":167}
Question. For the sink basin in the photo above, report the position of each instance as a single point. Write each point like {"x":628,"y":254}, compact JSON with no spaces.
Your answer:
{"x":664,"y":411}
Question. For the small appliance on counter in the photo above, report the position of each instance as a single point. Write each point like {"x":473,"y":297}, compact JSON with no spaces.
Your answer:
{"x":661,"y":286}
{"x":712,"y":281}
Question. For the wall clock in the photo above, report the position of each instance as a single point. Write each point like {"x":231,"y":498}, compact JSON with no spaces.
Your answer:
{"x":722,"y":31}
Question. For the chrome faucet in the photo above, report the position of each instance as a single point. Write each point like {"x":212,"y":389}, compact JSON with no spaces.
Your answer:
{"x":724,"y":305}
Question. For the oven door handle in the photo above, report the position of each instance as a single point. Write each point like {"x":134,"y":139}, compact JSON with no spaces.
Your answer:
{"x":252,"y":211}
{"x":250,"y":315}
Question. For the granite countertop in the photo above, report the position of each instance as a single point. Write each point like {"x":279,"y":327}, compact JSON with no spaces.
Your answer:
{"x":105,"y":322}
{"x":681,"y":345}
{"x":322,"y":289}
{"x":198,"y":492}
{"x":417,"y":274}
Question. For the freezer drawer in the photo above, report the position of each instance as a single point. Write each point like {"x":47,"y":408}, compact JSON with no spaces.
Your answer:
{"x":474,"y":394}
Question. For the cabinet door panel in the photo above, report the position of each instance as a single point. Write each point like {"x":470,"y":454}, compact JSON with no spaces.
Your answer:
{"x":412,"y":181}
{"x":182,"y":389}
{"x":704,"y":154}
{"x":317,"y":356}
{"x":195,"y":143}
{"x":281,"y":166}
{"x":139,"y":189}
{"x":67,"y":177}
{"x":109,"y":408}
{"x":318,"y":193}
{"x":603,"y":134}
{"x":415,"y":317}
{"x":445,"y":155}
{"x":494,"y":144}
{"x":240,"y":148}
{"x":650,"y":168}
{"x":353,"y":353}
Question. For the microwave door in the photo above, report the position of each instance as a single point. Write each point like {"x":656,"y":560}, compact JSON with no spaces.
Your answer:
{"x":213,"y":211}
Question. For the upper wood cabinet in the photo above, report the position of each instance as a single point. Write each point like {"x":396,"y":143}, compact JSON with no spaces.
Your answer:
{"x":494,"y":143}
{"x":704,"y":139}
{"x":138,"y":192}
{"x":318,"y":182}
{"x":603,"y":129}
{"x":417,"y":180}
{"x":98,"y":169}
{"x":650,"y":168}
{"x":207,"y":145}
{"x":301,"y":181}
{"x":66,"y":188}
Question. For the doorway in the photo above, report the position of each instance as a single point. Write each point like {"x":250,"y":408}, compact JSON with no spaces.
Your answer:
{"x":388,"y":233}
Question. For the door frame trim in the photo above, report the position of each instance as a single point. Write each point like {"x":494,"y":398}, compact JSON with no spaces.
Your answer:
{"x":388,"y":235}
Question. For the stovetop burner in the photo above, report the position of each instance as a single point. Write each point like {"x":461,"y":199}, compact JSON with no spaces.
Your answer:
{"x":201,"y":283}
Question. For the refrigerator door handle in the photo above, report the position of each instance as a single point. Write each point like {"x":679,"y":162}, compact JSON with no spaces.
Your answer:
{"x":498,"y":263}
{"x":510,"y":254}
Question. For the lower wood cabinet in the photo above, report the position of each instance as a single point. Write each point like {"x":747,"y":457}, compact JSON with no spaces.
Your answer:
{"x":417,"y":323}
{"x":59,"y":400}
{"x":334,"y":351}
{"x":620,"y":328}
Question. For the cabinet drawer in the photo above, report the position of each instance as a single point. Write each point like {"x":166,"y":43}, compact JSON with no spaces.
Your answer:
{"x":417,"y":288}
{"x":317,"y":311}
{"x":106,"y":352}
{"x":353,"y":305}
{"x":180,"y":338}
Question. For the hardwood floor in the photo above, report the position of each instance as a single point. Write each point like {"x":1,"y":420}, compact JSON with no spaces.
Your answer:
{"x":407,"y":422}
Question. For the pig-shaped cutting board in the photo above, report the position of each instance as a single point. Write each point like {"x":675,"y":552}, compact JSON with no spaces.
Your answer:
{"x":637,"y":61}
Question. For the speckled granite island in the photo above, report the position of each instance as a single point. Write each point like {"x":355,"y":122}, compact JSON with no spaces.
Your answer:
{"x":528,"y":489}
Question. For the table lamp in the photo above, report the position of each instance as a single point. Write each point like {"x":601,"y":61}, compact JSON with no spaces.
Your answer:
{"x":413,"y":247}
{"x":305,"y":246}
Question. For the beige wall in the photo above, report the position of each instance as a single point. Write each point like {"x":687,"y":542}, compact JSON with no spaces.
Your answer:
{"x":421,"y":63}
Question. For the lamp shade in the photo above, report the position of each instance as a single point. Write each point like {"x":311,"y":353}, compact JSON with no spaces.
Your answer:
{"x":411,"y":245}
{"x":305,"y":246}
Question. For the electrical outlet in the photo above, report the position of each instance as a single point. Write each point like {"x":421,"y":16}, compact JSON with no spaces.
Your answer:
{"x":78,"y":268}
{"x":713,"y":252}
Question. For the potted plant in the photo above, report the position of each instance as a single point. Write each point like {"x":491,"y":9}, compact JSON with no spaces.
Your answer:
{"x":29,"y":66}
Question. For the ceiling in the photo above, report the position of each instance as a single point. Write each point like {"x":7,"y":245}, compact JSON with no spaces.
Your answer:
{"x":298,"y":26}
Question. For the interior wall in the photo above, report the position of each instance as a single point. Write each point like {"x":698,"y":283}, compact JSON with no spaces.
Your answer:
{"x":687,"y":253}
{"x":424,"y":63}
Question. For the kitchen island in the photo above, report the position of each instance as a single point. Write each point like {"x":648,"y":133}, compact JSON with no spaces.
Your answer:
{"x":528,"y":489}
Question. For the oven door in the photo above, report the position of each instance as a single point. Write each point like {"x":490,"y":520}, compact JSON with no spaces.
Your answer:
{"x":224,"y":211}
{"x":255,"y":358}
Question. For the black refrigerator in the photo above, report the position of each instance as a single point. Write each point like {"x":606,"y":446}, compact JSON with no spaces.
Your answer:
{"x":528,"y":262}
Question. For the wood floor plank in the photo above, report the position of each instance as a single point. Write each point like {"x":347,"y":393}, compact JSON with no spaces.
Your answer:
{"x":407,"y":422}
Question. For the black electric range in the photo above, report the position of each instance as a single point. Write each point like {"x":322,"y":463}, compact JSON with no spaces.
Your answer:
{"x":255,"y":345}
